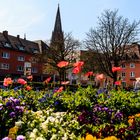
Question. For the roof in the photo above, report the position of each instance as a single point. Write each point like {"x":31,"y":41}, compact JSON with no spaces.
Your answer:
{"x":17,"y":43}
{"x":132,"y":52}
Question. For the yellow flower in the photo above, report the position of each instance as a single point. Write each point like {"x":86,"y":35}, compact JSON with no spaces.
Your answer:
{"x":11,"y":137}
{"x":137,"y":115}
{"x":13,"y":130}
{"x":82,"y":138}
{"x":90,"y":137}
{"x":110,"y":138}
{"x":130,"y":121}
{"x":131,"y":117}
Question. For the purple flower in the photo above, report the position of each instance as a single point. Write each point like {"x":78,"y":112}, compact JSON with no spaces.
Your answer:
{"x":8,"y":103}
{"x":11,"y":98}
{"x":12,"y":114}
{"x":20,"y":137}
{"x":119,"y":115}
{"x":16,"y":101}
{"x":1,"y":106}
{"x":6,"y":138}
{"x":105,"y":108}
{"x":19,"y":108}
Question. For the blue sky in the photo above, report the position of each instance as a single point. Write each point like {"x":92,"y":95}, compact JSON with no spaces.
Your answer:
{"x":36,"y":18}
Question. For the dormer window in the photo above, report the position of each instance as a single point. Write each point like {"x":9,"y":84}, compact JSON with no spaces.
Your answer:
{"x":21,"y":47}
{"x":33,"y":50}
{"x":7,"y":45}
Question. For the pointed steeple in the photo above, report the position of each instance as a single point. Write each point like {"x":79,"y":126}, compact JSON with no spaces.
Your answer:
{"x":57,"y":34}
{"x":58,"y":26}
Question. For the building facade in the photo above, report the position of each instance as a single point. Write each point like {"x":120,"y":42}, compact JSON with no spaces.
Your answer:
{"x":131,"y":66}
{"x":18,"y":57}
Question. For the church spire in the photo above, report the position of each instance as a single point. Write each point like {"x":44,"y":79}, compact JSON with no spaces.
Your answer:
{"x":58,"y":26}
{"x":57,"y":33}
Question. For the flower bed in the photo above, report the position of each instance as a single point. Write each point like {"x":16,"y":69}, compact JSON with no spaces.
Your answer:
{"x":66,"y":115}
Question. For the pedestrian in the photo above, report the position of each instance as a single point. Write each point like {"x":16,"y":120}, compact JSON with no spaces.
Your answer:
{"x":137,"y":84}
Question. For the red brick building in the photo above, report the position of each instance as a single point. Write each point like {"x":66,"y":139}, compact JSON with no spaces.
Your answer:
{"x":131,"y":65}
{"x":16,"y":54}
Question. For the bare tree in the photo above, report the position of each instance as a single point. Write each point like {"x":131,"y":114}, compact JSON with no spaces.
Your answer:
{"x":110,"y":39}
{"x":61,"y":50}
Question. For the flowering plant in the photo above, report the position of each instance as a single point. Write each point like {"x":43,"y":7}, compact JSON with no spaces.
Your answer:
{"x":11,"y":109}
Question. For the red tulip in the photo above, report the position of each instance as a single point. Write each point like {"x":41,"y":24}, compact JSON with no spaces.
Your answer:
{"x":116,"y":69}
{"x":21,"y":81}
{"x":7,"y":81}
{"x":99,"y":77}
{"x":78,"y":64}
{"x":118,"y":83}
{"x":65,"y":82}
{"x":47,"y":80}
{"x":62,"y":64}
{"x":30,"y":77}
{"x":76,"y":70}
{"x":28,"y":88}
{"x":90,"y":73}
{"x":60,"y":89}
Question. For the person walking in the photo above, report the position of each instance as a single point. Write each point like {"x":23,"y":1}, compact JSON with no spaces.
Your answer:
{"x":137,"y":84}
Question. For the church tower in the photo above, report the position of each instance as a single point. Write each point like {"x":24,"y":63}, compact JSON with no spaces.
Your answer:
{"x":57,"y":34}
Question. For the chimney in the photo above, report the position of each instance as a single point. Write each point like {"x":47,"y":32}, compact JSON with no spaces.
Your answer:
{"x":18,"y":36}
{"x":24,"y":36}
{"x":5,"y":33}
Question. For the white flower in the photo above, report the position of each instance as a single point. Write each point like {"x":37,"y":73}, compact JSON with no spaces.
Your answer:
{"x":65,"y":137}
{"x":19,"y":123}
{"x":32,"y":135}
{"x":56,"y":121}
{"x":40,"y":138}
{"x":54,"y":137}
{"x":35,"y":130}
{"x":0,"y":97}
{"x":44,"y":127}
{"x":50,"y":119}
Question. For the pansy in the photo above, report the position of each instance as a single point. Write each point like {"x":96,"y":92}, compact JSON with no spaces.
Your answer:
{"x":90,"y":137}
{"x":20,"y":137}
{"x":62,"y":64}
{"x":1,"y":106}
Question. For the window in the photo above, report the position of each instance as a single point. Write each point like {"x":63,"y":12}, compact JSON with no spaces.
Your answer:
{"x":123,"y":74}
{"x":123,"y":83}
{"x":5,"y":55}
{"x":123,"y":66}
{"x":21,"y":58}
{"x":20,"y":47}
{"x":7,"y":45}
{"x":132,"y":65}
{"x":4,"y":66}
{"x":34,"y":70}
{"x":132,"y":74}
{"x":20,"y":68}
